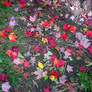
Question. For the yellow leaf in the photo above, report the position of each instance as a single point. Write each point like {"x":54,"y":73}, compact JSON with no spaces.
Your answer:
{"x":40,"y":65}
{"x":44,"y":40}
{"x":52,"y":77}
{"x":57,"y":48}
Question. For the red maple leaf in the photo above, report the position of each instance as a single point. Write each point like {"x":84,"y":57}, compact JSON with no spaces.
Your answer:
{"x":90,"y":49}
{"x":53,"y":57}
{"x":7,"y":3}
{"x":26,"y":64}
{"x":59,"y":63}
{"x":64,"y":36}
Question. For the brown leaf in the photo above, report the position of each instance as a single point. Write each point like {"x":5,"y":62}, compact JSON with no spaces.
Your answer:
{"x":26,"y":75}
{"x":51,"y":23}
{"x":78,"y":58}
{"x":45,"y":3}
{"x":41,"y":14}
{"x":57,"y":48}
{"x":17,"y":69}
{"x":86,"y":60}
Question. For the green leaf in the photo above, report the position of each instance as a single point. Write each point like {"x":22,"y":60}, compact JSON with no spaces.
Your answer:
{"x":51,"y":68}
{"x":85,"y":29}
{"x":20,"y":55}
{"x":11,"y":26}
{"x":28,"y":4}
{"x":61,"y":69}
{"x":46,"y":77}
{"x":47,"y":55}
{"x":39,"y":8}
{"x":70,"y":58}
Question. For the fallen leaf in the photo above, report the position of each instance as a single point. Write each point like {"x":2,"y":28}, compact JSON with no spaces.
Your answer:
{"x":26,"y":64}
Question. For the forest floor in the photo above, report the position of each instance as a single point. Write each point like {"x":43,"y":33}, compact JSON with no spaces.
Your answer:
{"x":44,"y":49}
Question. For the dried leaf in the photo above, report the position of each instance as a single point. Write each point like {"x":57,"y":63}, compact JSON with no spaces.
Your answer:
{"x":17,"y":69}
